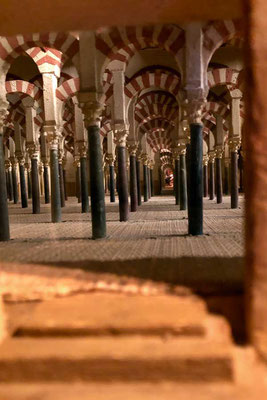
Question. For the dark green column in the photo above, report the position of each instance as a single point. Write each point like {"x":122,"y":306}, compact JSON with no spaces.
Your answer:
{"x":112,"y":183}
{"x":10,"y":184}
{"x":205,"y":179}
{"x":23,"y":190}
{"x":7,"y":184}
{"x":151,"y":182}
{"x":148,"y":182}
{"x":35,"y":186}
{"x":183,"y":182}
{"x":145,"y":183}
{"x":219,"y":179}
{"x":15,"y":183}
{"x":78,"y":181}
{"x":46,"y":183}
{"x":123,"y":184}
{"x":176,"y":182}
{"x":29,"y":183}
{"x":84,"y":185}
{"x":234,"y":179}
{"x":61,"y":184}
{"x":96,"y":184}
{"x":133,"y":183}
{"x":195,"y":198}
{"x":138,"y":181}
{"x":211,"y":177}
{"x":55,"y":187}
{"x":4,"y":221}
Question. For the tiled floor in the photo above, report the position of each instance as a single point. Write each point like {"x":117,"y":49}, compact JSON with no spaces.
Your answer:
{"x":152,"y":245}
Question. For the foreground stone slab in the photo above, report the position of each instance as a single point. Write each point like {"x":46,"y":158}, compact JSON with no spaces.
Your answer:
{"x":116,"y":359}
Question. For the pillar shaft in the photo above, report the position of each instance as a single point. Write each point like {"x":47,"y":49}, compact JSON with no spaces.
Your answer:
{"x":195,"y":198}
{"x":133,"y":183}
{"x":96,"y":184}
{"x":177,"y":181}
{"x":46,"y":184}
{"x":23,"y":190}
{"x":148,"y":183}
{"x":211,"y":180}
{"x":183,"y":181}
{"x":35,"y":186}
{"x":234,"y":179}
{"x":84,"y":186}
{"x":55,"y":188}
{"x":61,"y":185}
{"x":145,"y":183}
{"x":4,"y":221}
{"x":78,"y":183}
{"x":112,"y":183}
{"x":123,"y":184}
{"x":138,"y":182}
{"x":219,"y":180}
{"x":10,"y":184}
{"x":226,"y":180}
{"x":7,"y":184}
{"x":205,"y":180}
{"x":29,"y":184}
{"x":15,"y":184}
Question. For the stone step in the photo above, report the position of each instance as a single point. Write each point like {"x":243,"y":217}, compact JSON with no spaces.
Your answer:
{"x":122,"y":391}
{"x":115,"y":359}
{"x":106,"y":313}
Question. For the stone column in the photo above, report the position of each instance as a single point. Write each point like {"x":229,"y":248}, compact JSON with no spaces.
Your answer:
{"x":28,"y":171}
{"x":211,"y":174}
{"x":138,"y":179}
{"x":133,"y":177}
{"x":148,"y":180}
{"x":92,"y":111}
{"x":77,"y":166}
{"x":4,"y":220}
{"x":151,"y":179}
{"x":219,"y":153}
{"x":82,"y":148}
{"x":120,"y":138}
{"x":34,"y":155}
{"x":234,"y":145}
{"x":145,"y":180}
{"x":23,"y":189}
{"x":9,"y":179}
{"x":183,"y":179}
{"x":54,"y":174}
{"x":65,"y":179}
{"x":205,"y":176}
{"x":226,"y":184}
{"x":46,"y":181}
{"x":61,"y":179}
{"x":176,"y":176}
{"x":110,"y":160}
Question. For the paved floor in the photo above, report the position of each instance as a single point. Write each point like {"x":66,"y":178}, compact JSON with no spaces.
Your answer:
{"x":155,"y":236}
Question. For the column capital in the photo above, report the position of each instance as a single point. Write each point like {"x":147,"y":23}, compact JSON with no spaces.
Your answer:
{"x":234,"y":144}
{"x":205,"y":160}
{"x":13,"y":160}
{"x":120,"y":134}
{"x":211,"y":156}
{"x":110,"y":159}
{"x":81,"y":148}
{"x":193,"y":109}
{"x":33,"y":150}
{"x":218,"y":152}
{"x":91,"y":108}
{"x":7,"y":164}
{"x":145,"y":159}
{"x":132,"y":148}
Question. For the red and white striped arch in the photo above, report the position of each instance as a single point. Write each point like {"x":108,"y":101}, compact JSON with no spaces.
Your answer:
{"x":122,"y":43}
{"x":68,"y":89}
{"x":223,"y":76}
{"x":156,"y":97}
{"x":216,"y":108}
{"x":158,"y":79}
{"x":159,"y":140}
{"x":155,"y":111}
{"x":215,"y":33}
{"x":13,"y":46}
{"x":105,"y":128}
{"x":25,"y":88}
{"x":46,"y":56}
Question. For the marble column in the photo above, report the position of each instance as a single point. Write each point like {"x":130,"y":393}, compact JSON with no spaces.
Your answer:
{"x":226,"y":181}
{"x":183,"y":180}
{"x":14,"y":180}
{"x":23,"y":189}
{"x":211,"y":175}
{"x":110,"y":160}
{"x":145,"y":180}
{"x":4,"y":220}
{"x":234,"y":146}
{"x":9,"y":180}
{"x":61,"y":179}
{"x":84,"y":178}
{"x":35,"y":181}
{"x":133,"y":178}
{"x":151,"y":179}
{"x":138,"y":179}
{"x":205,"y":177}
{"x":176,"y":182}
{"x":120,"y":137}
{"x":219,"y":189}
{"x":195,"y":198}
{"x":46,"y":181}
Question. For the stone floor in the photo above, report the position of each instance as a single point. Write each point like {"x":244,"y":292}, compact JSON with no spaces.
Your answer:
{"x":153,"y":246}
